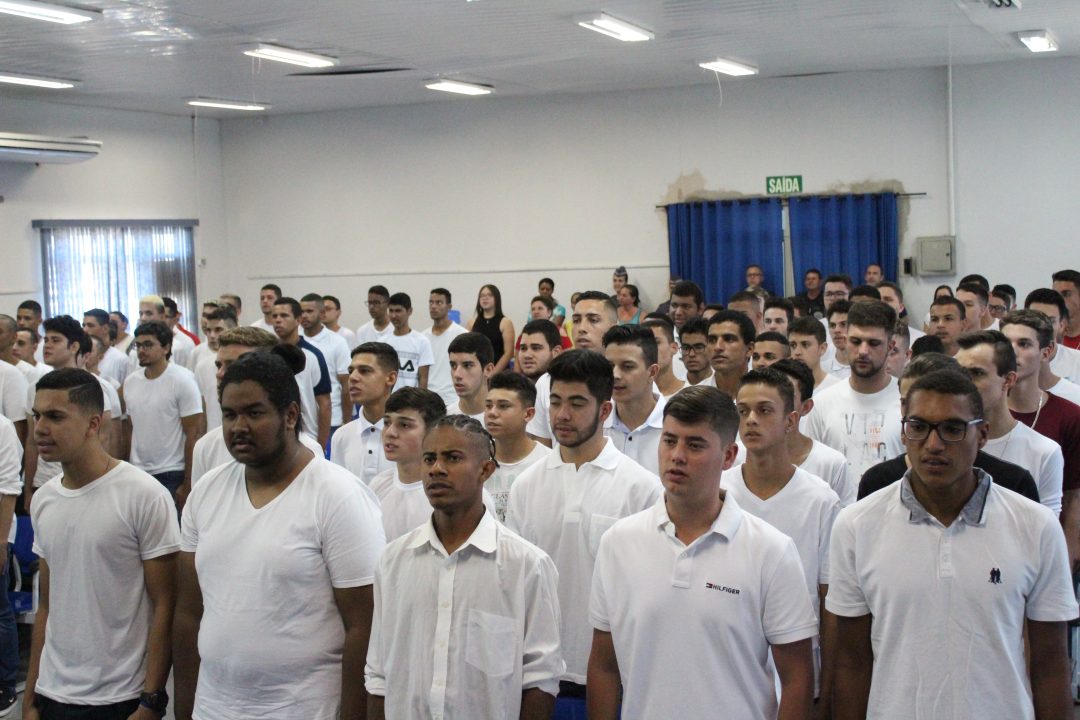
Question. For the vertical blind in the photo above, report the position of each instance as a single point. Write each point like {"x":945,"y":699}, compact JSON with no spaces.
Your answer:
{"x":110,"y":265}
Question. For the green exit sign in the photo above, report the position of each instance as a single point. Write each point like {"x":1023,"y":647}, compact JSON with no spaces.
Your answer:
{"x":783,"y":184}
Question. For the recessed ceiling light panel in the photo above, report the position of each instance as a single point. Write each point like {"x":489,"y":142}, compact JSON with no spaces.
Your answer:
{"x":1038,"y":41}
{"x":730,"y":67}
{"x":48,"y":12}
{"x":461,"y":88}
{"x":36,"y":81}
{"x":290,"y":56}
{"x":614,"y":27}
{"x":228,"y":104}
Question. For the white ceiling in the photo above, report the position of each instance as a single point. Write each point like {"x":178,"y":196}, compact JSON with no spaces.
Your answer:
{"x":152,"y":54}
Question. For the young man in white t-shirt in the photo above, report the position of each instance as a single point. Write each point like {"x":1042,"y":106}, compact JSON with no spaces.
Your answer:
{"x":510,"y":406}
{"x":278,"y":553}
{"x":441,"y":333}
{"x":808,"y":341}
{"x":413,"y":349}
{"x":466,"y":612}
{"x":836,"y":317}
{"x":332,"y":317}
{"x":860,"y":417}
{"x":113,"y":364}
{"x":314,"y":382}
{"x":666,"y":350}
{"x":471,"y":364}
{"x":566,"y":502}
{"x":268,"y":295}
{"x":948,"y":320}
{"x":215,"y":322}
{"x":691,"y":566}
{"x":378,"y":328}
{"x":538,"y":345}
{"x":990,"y":361}
{"x":800,"y":505}
{"x":1063,"y":371}
{"x":358,"y":446}
{"x":164,"y":410}
{"x":952,"y":594}
{"x":107,"y":539}
{"x":335,"y":352}
{"x":11,"y":454}
{"x":637,"y":408}
{"x":400,"y":489}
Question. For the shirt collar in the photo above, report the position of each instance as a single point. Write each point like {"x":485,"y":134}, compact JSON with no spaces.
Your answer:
{"x":608,"y":459}
{"x":365,"y":425}
{"x":973,"y":512}
{"x":655,"y":419}
{"x":484,"y":537}
{"x":726,"y":524}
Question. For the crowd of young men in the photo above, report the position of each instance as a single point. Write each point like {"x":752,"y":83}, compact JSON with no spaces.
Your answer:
{"x":785,"y":507}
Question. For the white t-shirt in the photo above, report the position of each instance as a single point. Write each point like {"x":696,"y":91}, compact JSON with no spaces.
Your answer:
{"x":565,"y":510}
{"x":13,"y":393}
{"x":271,"y":636}
{"x":414,"y":352}
{"x":540,"y":425}
{"x":1068,"y":390}
{"x":831,"y":466}
{"x":454,"y":408}
{"x":708,"y":610}
{"x":439,"y":380}
{"x":503,"y":478}
{"x":99,"y":610}
{"x":828,"y":382}
{"x":405,"y":506}
{"x":11,"y":456}
{"x":32,"y":373}
{"x":263,"y":325}
{"x":182,"y":348}
{"x":47,"y":470}
{"x":1039,"y":455}
{"x":865,"y":427}
{"x":641,"y":443}
{"x":460,"y":636}
{"x":1066,"y":363}
{"x":206,"y":379}
{"x":336,"y":353}
{"x":368,"y":333}
{"x":358,"y":447}
{"x":155,"y":408}
{"x":349,"y":335}
{"x":211,"y":451}
{"x":949,"y":604}
{"x":114,"y":364}
{"x":201,"y":353}
{"x":307,"y":380}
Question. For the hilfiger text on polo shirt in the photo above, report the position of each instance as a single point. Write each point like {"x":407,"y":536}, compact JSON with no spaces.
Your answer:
{"x":721,"y":588}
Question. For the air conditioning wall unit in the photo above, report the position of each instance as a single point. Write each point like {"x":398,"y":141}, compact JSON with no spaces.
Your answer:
{"x":19,"y":147}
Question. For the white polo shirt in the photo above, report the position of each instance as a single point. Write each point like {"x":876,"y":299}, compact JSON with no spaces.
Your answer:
{"x":461,"y":636}
{"x":1039,"y":455}
{"x":949,"y":603}
{"x":540,"y":425}
{"x":640,"y":443}
{"x":708,"y":610}
{"x":863,"y":426}
{"x":357,"y":446}
{"x":565,"y":511}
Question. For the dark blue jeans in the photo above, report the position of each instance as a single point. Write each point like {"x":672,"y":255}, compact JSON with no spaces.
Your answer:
{"x":9,"y":634}
{"x":52,"y":710}
{"x":171,"y":480}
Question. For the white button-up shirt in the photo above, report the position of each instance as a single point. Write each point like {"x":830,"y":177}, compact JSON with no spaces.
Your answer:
{"x":462,"y":635}
{"x":358,"y":448}
{"x":641,"y":443}
{"x":565,"y":511}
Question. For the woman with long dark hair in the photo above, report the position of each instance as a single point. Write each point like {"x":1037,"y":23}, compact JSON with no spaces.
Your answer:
{"x":490,"y":322}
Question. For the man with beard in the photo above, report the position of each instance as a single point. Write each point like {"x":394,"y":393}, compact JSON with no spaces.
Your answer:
{"x":861,"y":417}
{"x":565,"y":502}
{"x":278,"y":554}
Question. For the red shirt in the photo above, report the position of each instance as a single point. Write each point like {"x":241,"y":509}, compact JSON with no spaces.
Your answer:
{"x":1073,"y":342}
{"x":1059,"y":420}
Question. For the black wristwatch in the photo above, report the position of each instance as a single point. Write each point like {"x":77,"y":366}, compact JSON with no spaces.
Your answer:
{"x":155,"y":701}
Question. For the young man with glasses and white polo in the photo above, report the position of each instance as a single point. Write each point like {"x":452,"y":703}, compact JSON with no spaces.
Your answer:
{"x":956,"y":576}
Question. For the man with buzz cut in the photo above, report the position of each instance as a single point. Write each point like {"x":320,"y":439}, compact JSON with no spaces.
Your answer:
{"x":268,"y":295}
{"x":731,"y":341}
{"x":114,"y":364}
{"x":413,"y":349}
{"x":666,"y":350}
{"x":749,"y":304}
{"x":510,"y":404}
{"x":769,"y":347}
{"x":948,"y":321}
{"x":808,"y":341}
{"x":975,"y":299}
{"x":314,"y":381}
{"x":691,"y":566}
{"x":466,"y":618}
{"x":28,"y":316}
{"x":637,"y":412}
{"x":472,"y":360}
{"x":594,"y":314}
{"x":442,"y":332}
{"x":358,"y":446}
{"x":860,"y":417}
{"x":566,"y":502}
{"x":952,"y":594}
{"x":1063,"y":371}
{"x":335,"y":352}
{"x":107,"y":539}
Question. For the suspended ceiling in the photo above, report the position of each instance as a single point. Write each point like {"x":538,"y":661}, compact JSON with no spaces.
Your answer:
{"x":153,"y":54}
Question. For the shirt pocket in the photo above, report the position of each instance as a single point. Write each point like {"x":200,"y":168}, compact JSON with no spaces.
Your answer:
{"x":491,"y":643}
{"x":598,"y":525}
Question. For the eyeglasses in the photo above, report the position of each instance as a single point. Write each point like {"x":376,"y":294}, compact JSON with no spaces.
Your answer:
{"x":998,"y":309}
{"x":146,"y":345}
{"x":376,"y":303}
{"x":950,"y":431}
{"x":837,"y":294}
{"x":694,"y":349}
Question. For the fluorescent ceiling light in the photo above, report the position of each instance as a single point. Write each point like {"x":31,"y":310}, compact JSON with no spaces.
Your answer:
{"x":461,"y":88}
{"x":616,"y":28}
{"x":730,"y":67}
{"x":36,"y":81}
{"x":1038,"y":40}
{"x":227,"y":104}
{"x":50,"y":13}
{"x":293,"y":57}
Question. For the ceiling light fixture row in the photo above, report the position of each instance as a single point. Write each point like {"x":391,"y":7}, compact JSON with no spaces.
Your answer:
{"x":1038,"y":41}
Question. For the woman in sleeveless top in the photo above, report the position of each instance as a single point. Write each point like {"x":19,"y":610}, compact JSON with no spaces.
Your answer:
{"x":629,"y":305}
{"x":490,"y":322}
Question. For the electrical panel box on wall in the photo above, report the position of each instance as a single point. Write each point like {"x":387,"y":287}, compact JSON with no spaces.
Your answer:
{"x":936,"y":255}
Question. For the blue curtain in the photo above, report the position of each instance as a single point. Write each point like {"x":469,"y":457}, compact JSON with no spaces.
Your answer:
{"x":844,"y":234}
{"x":712,"y":242}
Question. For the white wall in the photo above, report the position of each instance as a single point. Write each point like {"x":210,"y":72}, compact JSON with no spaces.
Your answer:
{"x":462,"y":192}
{"x":149,"y":168}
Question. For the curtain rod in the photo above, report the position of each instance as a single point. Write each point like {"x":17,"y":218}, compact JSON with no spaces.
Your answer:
{"x":785,"y":198}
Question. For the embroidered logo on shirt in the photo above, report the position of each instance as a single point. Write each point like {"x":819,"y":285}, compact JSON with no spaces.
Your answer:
{"x":721,"y":588}
{"x":995,"y":576}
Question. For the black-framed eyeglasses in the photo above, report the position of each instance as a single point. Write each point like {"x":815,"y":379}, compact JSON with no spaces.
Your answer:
{"x":950,"y":431}
{"x":693,"y":349}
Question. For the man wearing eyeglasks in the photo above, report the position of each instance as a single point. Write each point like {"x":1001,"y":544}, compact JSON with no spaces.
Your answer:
{"x":950,"y":569}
